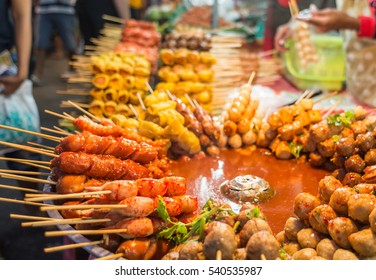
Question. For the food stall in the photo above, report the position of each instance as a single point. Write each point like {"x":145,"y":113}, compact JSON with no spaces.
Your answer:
{"x":194,"y":145}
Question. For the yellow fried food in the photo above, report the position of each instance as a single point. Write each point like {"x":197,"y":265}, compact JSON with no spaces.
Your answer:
{"x":96,"y":93}
{"x":128,"y":81}
{"x":149,"y":129}
{"x":167,"y":56}
{"x":110,"y":94}
{"x":109,"y":108}
{"x":168,"y":116}
{"x":123,"y":96}
{"x":96,"y":107}
{"x":116,"y":82}
{"x":141,"y":83}
{"x":154,"y":109}
{"x":165,"y":86}
{"x":100,"y":81}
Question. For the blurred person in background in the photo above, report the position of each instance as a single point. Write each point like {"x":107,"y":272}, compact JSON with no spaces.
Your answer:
{"x":278,"y":14}
{"x":54,"y":16}
{"x":90,"y":15}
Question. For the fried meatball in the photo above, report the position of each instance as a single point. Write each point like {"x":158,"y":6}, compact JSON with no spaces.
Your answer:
{"x":338,"y":200}
{"x":370,"y":157}
{"x":326,"y":148}
{"x":327,"y":186}
{"x":316,"y":160}
{"x":360,"y":206}
{"x":251,"y":227}
{"x":351,"y":179}
{"x":292,"y":227}
{"x":365,"y":141}
{"x":190,"y":250}
{"x":246,"y":214}
{"x":305,"y":203}
{"x":326,"y":248}
{"x":339,"y":174}
{"x":355,"y":164}
{"x":220,"y":239}
{"x":345,"y":146}
{"x":171,"y":256}
{"x":339,"y":229}
{"x":364,"y":188}
{"x":262,"y":245}
{"x":292,"y":247}
{"x":309,"y":238}
{"x":364,"y":242}
{"x":281,"y":237}
{"x":320,"y":216}
{"x":338,"y":160}
{"x":342,"y":254}
{"x":304,"y":254}
{"x":240,"y":254}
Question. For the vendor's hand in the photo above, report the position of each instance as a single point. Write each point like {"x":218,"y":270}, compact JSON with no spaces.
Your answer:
{"x":331,"y":19}
{"x":283,"y":33}
{"x":11,"y":83}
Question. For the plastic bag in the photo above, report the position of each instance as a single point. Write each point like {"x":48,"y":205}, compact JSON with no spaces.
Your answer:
{"x":19,"y":110}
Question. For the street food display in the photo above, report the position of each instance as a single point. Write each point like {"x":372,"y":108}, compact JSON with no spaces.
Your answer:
{"x":153,"y":174}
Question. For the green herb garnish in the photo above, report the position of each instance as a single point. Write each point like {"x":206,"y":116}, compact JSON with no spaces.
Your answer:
{"x":336,"y":138}
{"x":283,"y":254}
{"x":180,"y":232}
{"x":253,"y":213}
{"x":338,"y":119}
{"x":295,"y":149}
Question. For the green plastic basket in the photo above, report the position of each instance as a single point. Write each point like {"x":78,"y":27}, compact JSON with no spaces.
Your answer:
{"x":328,"y":73}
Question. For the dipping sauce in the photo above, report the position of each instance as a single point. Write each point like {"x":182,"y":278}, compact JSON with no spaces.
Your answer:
{"x":287,"y":177}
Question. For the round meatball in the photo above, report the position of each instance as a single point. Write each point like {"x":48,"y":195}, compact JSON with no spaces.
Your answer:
{"x":262,"y":245}
{"x":240,"y":254}
{"x":305,"y":203}
{"x":326,"y":248}
{"x":364,"y":242}
{"x":281,"y":237}
{"x":309,"y":238}
{"x":171,"y":256}
{"x":339,"y":198}
{"x":220,"y":239}
{"x":342,"y":254}
{"x":351,"y":179}
{"x":355,"y":164}
{"x":345,"y":146}
{"x":372,"y":220}
{"x":292,"y":247}
{"x":190,"y":250}
{"x":370,"y":157}
{"x":320,"y":216}
{"x":250,"y":228}
{"x":317,"y":258}
{"x":339,"y":229}
{"x":364,"y":188}
{"x":327,"y":186}
{"x":365,"y":141}
{"x":304,"y":254}
{"x":339,"y":174}
{"x":292,"y":227}
{"x":360,"y":206}
{"x":246,"y":213}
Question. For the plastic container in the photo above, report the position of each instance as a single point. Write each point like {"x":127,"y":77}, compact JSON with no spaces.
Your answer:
{"x":328,"y":73}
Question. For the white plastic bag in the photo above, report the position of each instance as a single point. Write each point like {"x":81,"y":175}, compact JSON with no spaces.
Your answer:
{"x":19,"y":110}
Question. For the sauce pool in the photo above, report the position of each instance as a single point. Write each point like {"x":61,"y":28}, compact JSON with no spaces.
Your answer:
{"x":287,"y":177}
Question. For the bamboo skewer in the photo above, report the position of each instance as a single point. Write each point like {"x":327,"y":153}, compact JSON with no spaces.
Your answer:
{"x":27,"y":148}
{"x":34,"y":218}
{"x":58,"y":115}
{"x":133,"y":110}
{"x":20,"y":201}
{"x":74,"y":221}
{"x":62,"y":130}
{"x":331,"y":109}
{"x":326,"y":96}
{"x":84,"y":111}
{"x":19,"y":189}
{"x":82,"y":206}
{"x":49,"y":137}
{"x":25,"y":178}
{"x":64,"y":196}
{"x":141,"y":101}
{"x":25,"y":160}
{"x":40,"y":145}
{"x":71,"y":246}
{"x":84,"y":232}
{"x":111,"y":257}
{"x":9,"y":171}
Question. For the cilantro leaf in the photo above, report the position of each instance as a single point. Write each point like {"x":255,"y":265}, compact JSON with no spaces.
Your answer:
{"x":295,"y":149}
{"x":162,"y":210}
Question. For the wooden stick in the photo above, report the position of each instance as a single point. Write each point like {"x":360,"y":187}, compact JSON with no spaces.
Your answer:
{"x":172,"y":97}
{"x":84,"y":111}
{"x":27,"y":148}
{"x":19,"y":189}
{"x":27,"y":163}
{"x":25,"y":178}
{"x":331,"y":109}
{"x":65,"y":104}
{"x":218,"y":255}
{"x":74,"y":221}
{"x":326,"y":96}
{"x":25,"y":160}
{"x":49,"y":137}
{"x":149,"y":87}
{"x":84,"y":232}
{"x":20,"y":201}
{"x":9,"y":171}
{"x":111,"y":257}
{"x":53,"y":131}
{"x":189,"y":100}
{"x":133,"y":110}
{"x":34,"y":218}
{"x":64,"y":196}
{"x":40,"y":145}
{"x":58,"y":115}
{"x":72,"y":92}
{"x":302,"y":96}
{"x":141,"y":101}
{"x":71,"y":246}
{"x":82,"y":206}
{"x":62,"y":130}
{"x":253,"y":74}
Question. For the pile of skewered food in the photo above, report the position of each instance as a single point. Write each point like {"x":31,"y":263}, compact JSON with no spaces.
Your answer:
{"x":194,"y":42}
{"x":338,"y":224}
{"x":118,"y":79}
{"x":187,"y":72}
